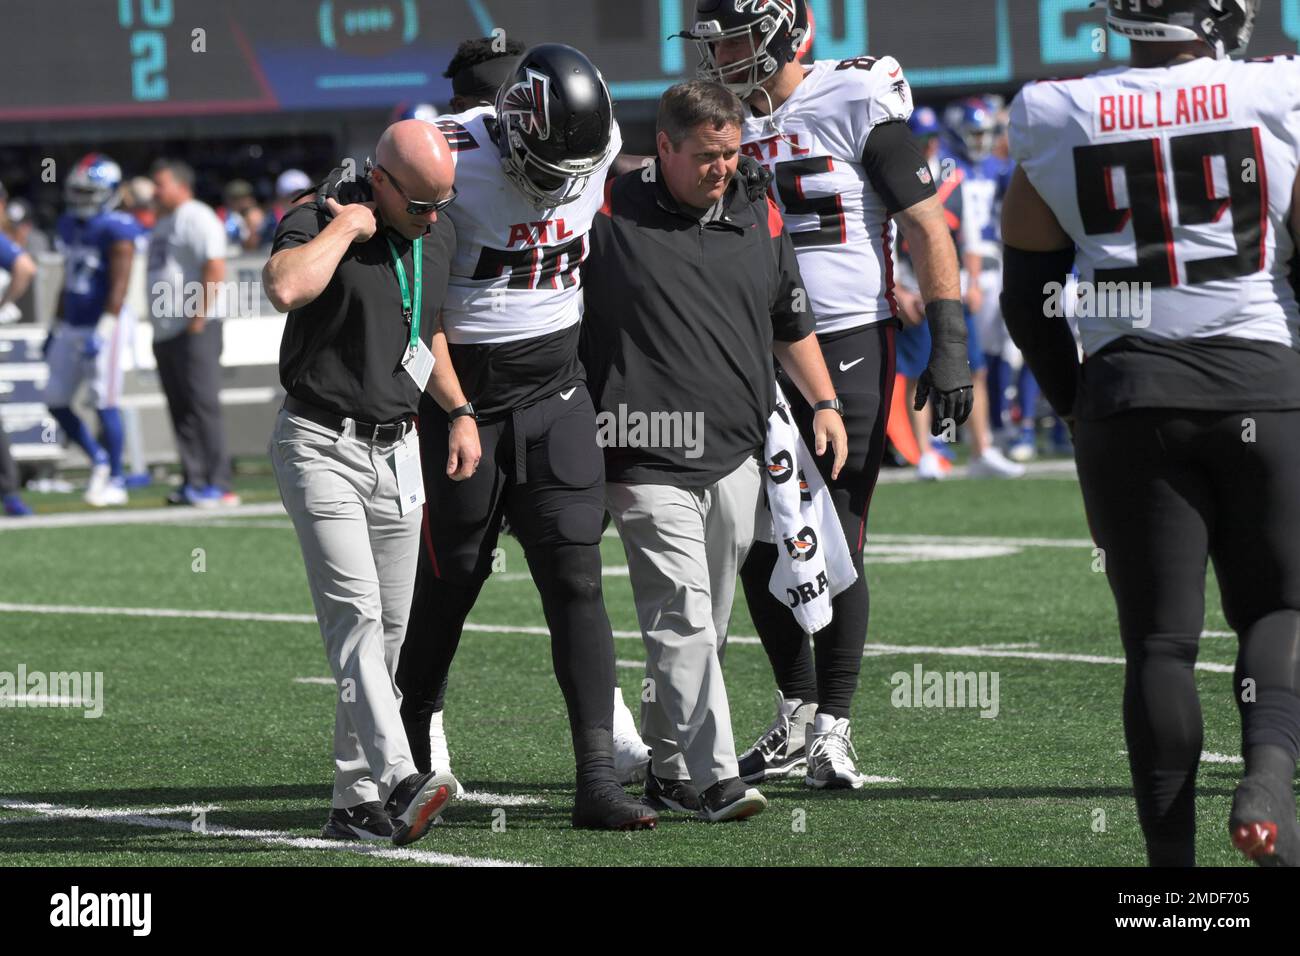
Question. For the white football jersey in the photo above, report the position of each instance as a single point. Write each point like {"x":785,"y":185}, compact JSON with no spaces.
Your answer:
{"x":516,"y":274}
{"x":1174,"y":181}
{"x":813,"y":145}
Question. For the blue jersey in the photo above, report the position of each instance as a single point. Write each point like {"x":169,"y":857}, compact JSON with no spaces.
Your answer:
{"x":85,"y":244}
{"x":9,"y":253}
{"x":986,"y":185}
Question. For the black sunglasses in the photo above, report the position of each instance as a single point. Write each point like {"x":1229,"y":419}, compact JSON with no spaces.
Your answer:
{"x":414,"y":207}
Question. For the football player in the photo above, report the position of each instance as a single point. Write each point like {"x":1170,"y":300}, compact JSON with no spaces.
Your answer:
{"x":92,"y":334}
{"x":16,"y":273}
{"x":835,"y":137}
{"x":530,"y":173}
{"x":1173,"y":181}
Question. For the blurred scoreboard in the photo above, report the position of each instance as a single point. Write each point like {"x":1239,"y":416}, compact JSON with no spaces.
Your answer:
{"x":81,"y":59}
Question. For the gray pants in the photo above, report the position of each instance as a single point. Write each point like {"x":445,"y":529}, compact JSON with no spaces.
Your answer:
{"x":360,"y":555}
{"x":189,"y":368}
{"x":684,"y":547}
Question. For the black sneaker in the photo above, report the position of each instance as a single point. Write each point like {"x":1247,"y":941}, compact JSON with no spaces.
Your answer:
{"x":416,"y":803}
{"x":365,"y":821}
{"x":609,"y":808}
{"x":780,"y":752}
{"x":1263,"y":821}
{"x":671,"y":794}
{"x":730,"y":800}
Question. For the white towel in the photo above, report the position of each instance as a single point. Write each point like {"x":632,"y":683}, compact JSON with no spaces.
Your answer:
{"x":813,"y":563}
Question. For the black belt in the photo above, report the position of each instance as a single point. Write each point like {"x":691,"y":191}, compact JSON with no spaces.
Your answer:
{"x":379,"y":434}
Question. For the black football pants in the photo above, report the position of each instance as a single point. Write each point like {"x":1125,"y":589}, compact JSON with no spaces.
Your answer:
{"x":1164,"y":490}
{"x":542,"y":471}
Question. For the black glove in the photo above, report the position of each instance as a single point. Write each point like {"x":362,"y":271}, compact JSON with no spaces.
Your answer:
{"x":947,"y":376}
{"x":754,"y":178}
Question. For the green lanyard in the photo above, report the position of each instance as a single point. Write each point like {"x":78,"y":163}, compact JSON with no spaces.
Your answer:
{"x":410,"y":308}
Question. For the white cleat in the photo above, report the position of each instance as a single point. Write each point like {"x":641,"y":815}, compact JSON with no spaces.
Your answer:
{"x":103,"y":490}
{"x":631,"y":755}
{"x":930,"y":467}
{"x":994,"y":464}
{"x":830,"y":759}
{"x":1022,"y":451}
{"x":439,"y":755}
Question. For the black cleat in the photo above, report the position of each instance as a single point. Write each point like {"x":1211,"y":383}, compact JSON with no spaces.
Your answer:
{"x":365,"y":821}
{"x":416,"y":803}
{"x":730,"y":800}
{"x":607,"y":807}
{"x":781,"y":751}
{"x":671,"y":794}
{"x":1263,"y":821}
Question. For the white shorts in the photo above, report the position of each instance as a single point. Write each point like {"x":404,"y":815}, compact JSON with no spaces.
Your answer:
{"x":69,"y":366}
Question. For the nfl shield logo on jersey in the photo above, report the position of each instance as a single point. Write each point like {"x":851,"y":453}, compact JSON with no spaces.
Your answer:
{"x":923,"y":174}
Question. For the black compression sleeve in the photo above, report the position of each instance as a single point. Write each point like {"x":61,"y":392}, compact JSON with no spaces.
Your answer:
{"x":1032,"y":306}
{"x":894,"y":162}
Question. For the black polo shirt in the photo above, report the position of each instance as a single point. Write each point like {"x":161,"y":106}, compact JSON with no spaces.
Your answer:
{"x":681,"y":313}
{"x":343,"y":351}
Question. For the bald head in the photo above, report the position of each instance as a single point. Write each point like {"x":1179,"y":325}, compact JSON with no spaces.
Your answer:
{"x":415,"y":166}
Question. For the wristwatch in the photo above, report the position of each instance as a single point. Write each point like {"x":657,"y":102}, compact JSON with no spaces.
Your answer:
{"x":466,"y":410}
{"x":834,"y":404}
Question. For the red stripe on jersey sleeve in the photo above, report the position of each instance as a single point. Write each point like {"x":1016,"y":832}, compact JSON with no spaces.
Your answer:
{"x":608,"y":208}
{"x":774,"y":221}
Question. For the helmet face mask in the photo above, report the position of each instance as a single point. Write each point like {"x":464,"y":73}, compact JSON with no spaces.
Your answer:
{"x":555,"y":121}
{"x":772,"y":31}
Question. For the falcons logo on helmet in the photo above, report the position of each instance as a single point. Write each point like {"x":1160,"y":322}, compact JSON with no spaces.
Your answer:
{"x":776,"y":7}
{"x":529,"y":102}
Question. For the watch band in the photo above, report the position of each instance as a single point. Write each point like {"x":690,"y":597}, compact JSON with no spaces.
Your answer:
{"x":463,"y":411}
{"x":834,"y":404}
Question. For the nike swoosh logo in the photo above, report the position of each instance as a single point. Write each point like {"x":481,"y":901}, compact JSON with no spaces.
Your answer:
{"x":845,"y":366}
{"x":569,"y":394}
{"x":896,"y":72}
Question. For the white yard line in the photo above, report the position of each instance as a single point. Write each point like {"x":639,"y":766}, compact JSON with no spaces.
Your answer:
{"x":171,"y":515}
{"x":152,"y":820}
{"x":877,"y":650}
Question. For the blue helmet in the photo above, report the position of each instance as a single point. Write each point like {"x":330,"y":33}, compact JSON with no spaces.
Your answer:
{"x":973,"y":126}
{"x":92,"y":186}
{"x":925,"y":122}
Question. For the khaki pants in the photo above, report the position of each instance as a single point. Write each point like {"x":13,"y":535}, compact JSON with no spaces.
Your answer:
{"x":684,"y":547}
{"x":360,"y":555}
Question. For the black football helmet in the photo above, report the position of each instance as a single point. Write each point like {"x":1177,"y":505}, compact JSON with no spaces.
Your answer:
{"x":1226,"y":25}
{"x":776,"y":30}
{"x":555,"y":121}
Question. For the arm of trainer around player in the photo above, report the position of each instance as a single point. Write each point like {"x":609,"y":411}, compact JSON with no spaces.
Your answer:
{"x":795,"y":346}
{"x":463,"y":448}
{"x":899,"y":172}
{"x":1037,"y":260}
{"x":294,"y":277}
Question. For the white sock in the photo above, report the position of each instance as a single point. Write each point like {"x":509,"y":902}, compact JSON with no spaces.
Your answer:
{"x":624,"y":725}
{"x":435,"y":723}
{"x":823,"y":723}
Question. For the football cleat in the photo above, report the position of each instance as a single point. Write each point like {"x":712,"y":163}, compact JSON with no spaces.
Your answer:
{"x":607,"y":807}
{"x":15,"y":507}
{"x":104,"y":491}
{"x":830,"y":759}
{"x":365,"y":821}
{"x":780,"y":751}
{"x":994,"y":464}
{"x":677,"y":795}
{"x":416,"y":803}
{"x":730,"y":800}
{"x":932,"y":467}
{"x":1263,"y":821}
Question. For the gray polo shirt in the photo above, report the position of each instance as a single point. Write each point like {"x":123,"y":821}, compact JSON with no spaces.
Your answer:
{"x":179,"y":246}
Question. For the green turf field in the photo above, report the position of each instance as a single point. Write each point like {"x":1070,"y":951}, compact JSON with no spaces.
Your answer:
{"x":211,"y":712}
